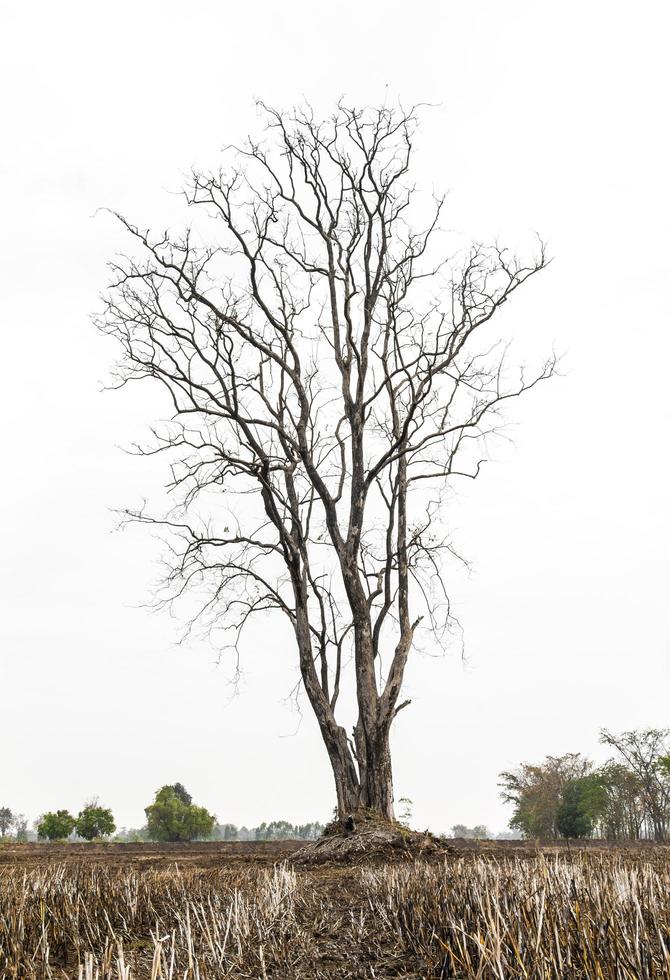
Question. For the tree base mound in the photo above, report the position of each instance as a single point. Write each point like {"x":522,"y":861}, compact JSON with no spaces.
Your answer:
{"x":366,"y":836}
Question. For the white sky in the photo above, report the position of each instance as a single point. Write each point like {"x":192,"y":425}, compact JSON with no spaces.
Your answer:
{"x":550,"y":117}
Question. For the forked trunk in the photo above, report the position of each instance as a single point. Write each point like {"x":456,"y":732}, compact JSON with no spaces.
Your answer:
{"x":347,"y":786}
{"x":372,"y":787}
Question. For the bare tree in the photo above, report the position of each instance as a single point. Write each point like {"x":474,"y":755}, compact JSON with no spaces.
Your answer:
{"x":623,"y":816}
{"x":643,"y":753}
{"x":331,"y":379}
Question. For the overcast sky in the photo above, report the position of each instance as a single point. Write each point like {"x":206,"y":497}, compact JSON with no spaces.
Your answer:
{"x":548,"y":117}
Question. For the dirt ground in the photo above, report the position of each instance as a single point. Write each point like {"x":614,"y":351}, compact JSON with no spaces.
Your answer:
{"x":211,"y":855}
{"x":199,"y":854}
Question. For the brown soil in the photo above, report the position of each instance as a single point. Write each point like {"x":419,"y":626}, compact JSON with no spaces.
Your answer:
{"x":343,"y":849}
{"x":200,"y":854}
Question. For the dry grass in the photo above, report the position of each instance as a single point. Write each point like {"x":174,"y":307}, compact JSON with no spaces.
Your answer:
{"x":595,"y":916}
{"x":602,"y":915}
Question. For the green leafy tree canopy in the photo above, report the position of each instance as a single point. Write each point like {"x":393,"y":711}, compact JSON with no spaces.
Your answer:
{"x":57,"y":825}
{"x":182,"y":793}
{"x":536,"y":791}
{"x":583,"y":803}
{"x":95,"y":821}
{"x":170,"y":818}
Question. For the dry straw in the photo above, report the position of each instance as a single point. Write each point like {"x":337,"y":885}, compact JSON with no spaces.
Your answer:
{"x":592,"y":916}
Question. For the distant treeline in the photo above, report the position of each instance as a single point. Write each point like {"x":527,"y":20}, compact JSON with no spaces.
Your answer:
{"x":172,"y":816}
{"x":481,"y":832}
{"x":627,"y":798}
{"x":274,"y":830}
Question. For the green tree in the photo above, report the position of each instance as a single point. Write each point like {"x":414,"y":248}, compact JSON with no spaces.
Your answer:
{"x":169,"y":818}
{"x":583,"y":803}
{"x":181,"y":793}
{"x":6,"y":820}
{"x":95,"y":821}
{"x":56,"y":825}
{"x":536,"y":791}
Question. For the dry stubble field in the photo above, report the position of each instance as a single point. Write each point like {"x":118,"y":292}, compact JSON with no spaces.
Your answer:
{"x":135,"y":912}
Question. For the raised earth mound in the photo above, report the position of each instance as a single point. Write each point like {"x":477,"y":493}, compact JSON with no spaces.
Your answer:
{"x":365,"y":835}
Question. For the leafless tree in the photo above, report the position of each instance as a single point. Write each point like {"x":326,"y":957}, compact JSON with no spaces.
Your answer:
{"x":643,"y":753}
{"x":330,"y":378}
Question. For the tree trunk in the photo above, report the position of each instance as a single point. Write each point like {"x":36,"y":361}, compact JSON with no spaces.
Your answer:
{"x":375,"y":771}
{"x":377,"y":787}
{"x":347,"y":786}
{"x":372,"y":787}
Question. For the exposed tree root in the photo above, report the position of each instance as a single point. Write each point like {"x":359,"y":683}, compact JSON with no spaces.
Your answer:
{"x":365,"y":835}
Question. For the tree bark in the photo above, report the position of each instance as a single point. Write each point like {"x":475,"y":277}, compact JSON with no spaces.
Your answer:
{"x":369,"y":784}
{"x":377,"y":788}
{"x":347,"y":786}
